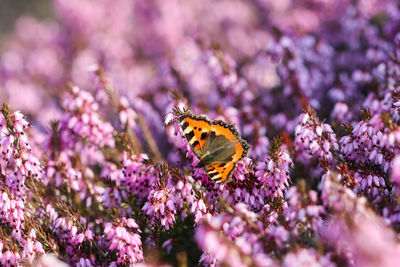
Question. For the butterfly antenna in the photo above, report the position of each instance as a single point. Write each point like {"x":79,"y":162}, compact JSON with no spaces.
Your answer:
{"x":177,"y":111}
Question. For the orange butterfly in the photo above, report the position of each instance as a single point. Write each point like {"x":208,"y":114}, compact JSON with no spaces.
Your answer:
{"x":217,"y":144}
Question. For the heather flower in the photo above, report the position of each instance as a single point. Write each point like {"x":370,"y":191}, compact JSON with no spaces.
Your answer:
{"x":365,"y":143}
{"x":259,"y":152}
{"x":82,"y":120}
{"x":76,"y":140}
{"x":18,"y":166}
{"x":127,"y":115}
{"x":228,"y":239}
{"x":278,"y":235}
{"x":184,"y":193}
{"x":10,"y":258}
{"x":222,"y":67}
{"x":340,"y":113}
{"x":207,"y":260}
{"x":221,"y":248}
{"x":314,"y":139}
{"x":77,"y":191}
{"x":303,"y":257}
{"x":369,"y":241}
{"x":160,"y":205}
{"x":32,"y":247}
{"x":396,"y":170}
{"x":198,"y":209}
{"x":17,"y":162}
{"x":138,"y":178}
{"x":371,"y":184}
{"x":73,"y":232}
{"x":273,"y":174}
{"x":125,"y":240}
{"x":335,"y":196}
{"x":303,"y":209}
{"x":167,"y":245}
{"x":12,"y":211}
{"x":295,"y":54}
{"x":369,"y":148}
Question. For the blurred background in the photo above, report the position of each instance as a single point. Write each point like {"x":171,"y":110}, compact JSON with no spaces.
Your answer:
{"x":205,"y":49}
{"x":10,"y":10}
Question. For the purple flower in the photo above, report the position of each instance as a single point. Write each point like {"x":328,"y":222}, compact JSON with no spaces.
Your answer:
{"x":83,"y":121}
{"x":396,"y":170}
{"x":314,"y":139}
{"x":160,"y":206}
{"x":124,"y":238}
{"x":309,"y":215}
{"x":228,"y":239}
{"x":273,"y":174}
{"x":17,"y":163}
{"x":354,"y":240}
{"x":303,"y":257}
{"x":32,"y":247}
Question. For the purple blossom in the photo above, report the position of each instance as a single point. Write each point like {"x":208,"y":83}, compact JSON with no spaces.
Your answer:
{"x":198,"y":209}
{"x":314,"y":139}
{"x":305,"y":257}
{"x":83,"y":121}
{"x":124,"y":239}
{"x":273,"y":174}
{"x":32,"y":247}
{"x":160,"y":206}
{"x":17,"y":164}
{"x":233,"y":247}
{"x":309,"y":215}
{"x":396,"y":170}
{"x":356,"y":240}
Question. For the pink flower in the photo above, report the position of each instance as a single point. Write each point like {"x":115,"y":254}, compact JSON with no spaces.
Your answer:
{"x":302,"y":258}
{"x":396,"y":170}
{"x":160,"y":207}
{"x":127,"y":243}
{"x":314,"y":139}
{"x":273,"y":174}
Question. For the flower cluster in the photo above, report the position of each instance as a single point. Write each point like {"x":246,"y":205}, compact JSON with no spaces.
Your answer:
{"x":314,"y":139}
{"x":160,"y":206}
{"x":229,"y":239}
{"x":17,"y":163}
{"x":127,"y":244}
{"x":274,"y":172}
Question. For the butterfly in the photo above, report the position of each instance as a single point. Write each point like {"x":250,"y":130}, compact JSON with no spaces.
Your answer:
{"x":216,"y":144}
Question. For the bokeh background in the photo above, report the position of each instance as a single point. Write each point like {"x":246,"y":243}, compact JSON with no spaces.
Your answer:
{"x":10,"y":10}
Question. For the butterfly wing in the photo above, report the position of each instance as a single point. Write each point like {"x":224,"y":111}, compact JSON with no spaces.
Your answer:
{"x":229,"y":132}
{"x":196,"y":130}
{"x":225,"y":148}
{"x":221,"y":172}
{"x":217,"y":144}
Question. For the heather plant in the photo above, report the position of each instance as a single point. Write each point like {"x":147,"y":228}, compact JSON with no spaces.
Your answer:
{"x":96,"y":170}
